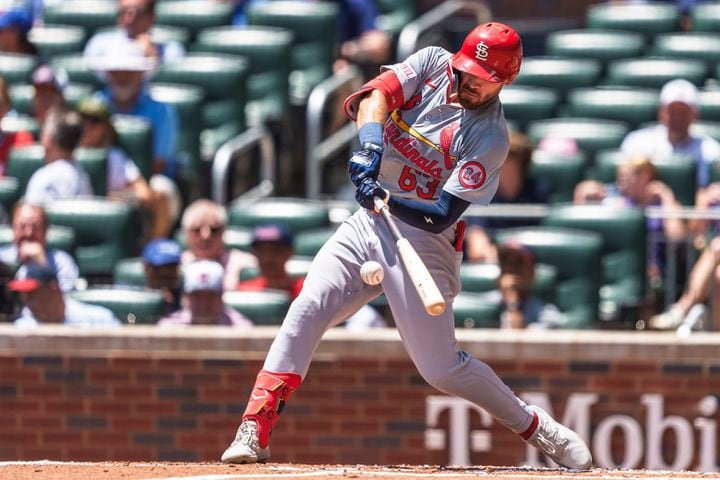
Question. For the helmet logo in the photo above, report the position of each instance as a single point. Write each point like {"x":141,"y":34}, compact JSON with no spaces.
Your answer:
{"x":481,"y":51}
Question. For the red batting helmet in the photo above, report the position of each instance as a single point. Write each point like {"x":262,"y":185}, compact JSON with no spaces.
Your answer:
{"x":491,"y":51}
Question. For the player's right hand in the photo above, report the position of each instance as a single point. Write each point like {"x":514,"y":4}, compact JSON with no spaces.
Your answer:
{"x":365,"y":163}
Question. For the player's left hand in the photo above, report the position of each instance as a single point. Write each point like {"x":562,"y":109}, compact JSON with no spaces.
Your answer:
{"x":366,"y":192}
{"x":365,"y":163}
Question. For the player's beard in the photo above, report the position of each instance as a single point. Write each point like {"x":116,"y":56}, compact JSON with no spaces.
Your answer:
{"x":469,"y":101}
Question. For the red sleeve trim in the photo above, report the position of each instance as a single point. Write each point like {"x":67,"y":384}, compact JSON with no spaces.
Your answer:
{"x":388,"y":83}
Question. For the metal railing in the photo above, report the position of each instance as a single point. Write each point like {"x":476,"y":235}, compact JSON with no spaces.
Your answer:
{"x":409,"y":38}
{"x":317,"y":151}
{"x":231,"y":151}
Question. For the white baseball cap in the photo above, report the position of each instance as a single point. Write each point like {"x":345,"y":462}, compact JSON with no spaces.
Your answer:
{"x":679,"y":90}
{"x":203,"y":275}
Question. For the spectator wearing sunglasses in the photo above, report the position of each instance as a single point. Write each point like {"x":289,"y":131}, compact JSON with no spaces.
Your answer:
{"x":203,"y":224}
{"x":135,"y":19}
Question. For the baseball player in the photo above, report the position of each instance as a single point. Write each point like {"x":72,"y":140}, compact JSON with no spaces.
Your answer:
{"x":433,"y":138}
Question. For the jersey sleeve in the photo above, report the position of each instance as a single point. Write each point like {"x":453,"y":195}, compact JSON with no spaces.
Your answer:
{"x":476,"y":176}
{"x":417,"y":68}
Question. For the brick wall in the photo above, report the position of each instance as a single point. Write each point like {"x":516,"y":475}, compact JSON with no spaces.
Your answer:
{"x":140,"y":394}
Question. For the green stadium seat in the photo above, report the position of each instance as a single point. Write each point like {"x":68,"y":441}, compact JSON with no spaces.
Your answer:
{"x":602,"y":45}
{"x":576,"y":256}
{"x":188,"y":101}
{"x":560,"y":172}
{"x":623,"y":261}
{"x":129,"y":272}
{"x":655,"y":72}
{"x":698,"y":45}
{"x":194,"y":16}
{"x":16,"y":68}
{"x":711,"y":129}
{"x":710,"y":105}
{"x":223,"y":80}
{"x":678,"y":172}
{"x":17,"y":123}
{"x":263,"y":308}
{"x":267,"y":50}
{"x":314,"y":28}
{"x":95,"y":163}
{"x":706,"y":17}
{"x":98,"y":249}
{"x":135,"y":138}
{"x":298,"y":265}
{"x":89,"y":14}
{"x":483,"y":277}
{"x":631,"y":105}
{"x":130,"y":305}
{"x":591,"y":134}
{"x":9,"y":193}
{"x":58,"y":237}
{"x":648,"y":19}
{"x":21,"y":96}
{"x":475,"y":310}
{"x":309,"y":242}
{"x":561,"y":74}
{"x":297,"y":214}
{"x":524,"y":104}
{"x":53,"y":40}
{"x":77,"y":69}
{"x":168,"y":33}
{"x":23,"y":162}
{"x":394,"y":15}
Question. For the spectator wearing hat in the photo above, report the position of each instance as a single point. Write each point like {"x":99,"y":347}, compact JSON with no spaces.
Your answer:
{"x":124,"y":180}
{"x":202,"y":299}
{"x":203,"y":224}
{"x":29,"y":227}
{"x":135,"y":19}
{"x":61,"y":177}
{"x":9,"y":140}
{"x":671,"y":135}
{"x":45,"y":304}
{"x":125,"y":70}
{"x":520,"y":307}
{"x":48,"y":85}
{"x":161,"y":261}
{"x":14,"y":27}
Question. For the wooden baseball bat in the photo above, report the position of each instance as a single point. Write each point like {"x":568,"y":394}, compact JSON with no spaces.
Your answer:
{"x":423,"y":282}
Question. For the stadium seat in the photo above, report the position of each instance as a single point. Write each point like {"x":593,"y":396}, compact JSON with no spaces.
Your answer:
{"x":16,"y":68}
{"x":129,"y":272}
{"x":268,"y":52}
{"x":298,"y":265}
{"x":561,"y":173}
{"x":524,"y":104}
{"x":561,"y":74}
{"x":58,"y":237}
{"x":314,"y":28}
{"x":194,"y":16}
{"x":263,"y":308}
{"x":23,"y":162}
{"x":654,"y":72}
{"x":483,"y":277}
{"x":474,"y":310}
{"x":623,"y":260}
{"x":297,"y":214}
{"x":698,"y":45}
{"x":21,"y":96}
{"x":602,"y":45}
{"x":167,"y":33}
{"x":710,"y":105}
{"x":591,"y":134}
{"x":308,"y":243}
{"x":95,"y":163}
{"x":631,"y":105}
{"x":135,"y":138}
{"x":77,"y":69}
{"x":89,"y":14}
{"x":711,"y":129}
{"x":678,"y":172}
{"x":648,"y":19}
{"x":394,"y":15}
{"x":98,"y":249}
{"x":9,"y":193}
{"x":706,"y":17}
{"x":17,"y":123}
{"x":188,"y":101}
{"x":223,"y":80}
{"x":576,"y":256}
{"x":130,"y":305}
{"x":53,"y":40}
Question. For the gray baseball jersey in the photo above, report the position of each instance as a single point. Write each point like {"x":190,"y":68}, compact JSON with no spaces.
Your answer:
{"x":430,"y":145}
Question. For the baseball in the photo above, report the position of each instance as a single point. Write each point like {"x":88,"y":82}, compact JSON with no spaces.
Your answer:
{"x":372,"y":272}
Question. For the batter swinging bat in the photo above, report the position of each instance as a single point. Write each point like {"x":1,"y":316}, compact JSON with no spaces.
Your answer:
{"x":423,"y":282}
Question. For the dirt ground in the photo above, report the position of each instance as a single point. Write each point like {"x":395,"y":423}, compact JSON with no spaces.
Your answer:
{"x":46,"y":470}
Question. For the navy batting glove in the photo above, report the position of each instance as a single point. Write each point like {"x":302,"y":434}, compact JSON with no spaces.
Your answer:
{"x":366,"y":192}
{"x":365,"y":163}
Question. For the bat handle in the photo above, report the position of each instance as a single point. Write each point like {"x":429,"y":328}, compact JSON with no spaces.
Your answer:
{"x":379,"y":203}
{"x":384,"y":210}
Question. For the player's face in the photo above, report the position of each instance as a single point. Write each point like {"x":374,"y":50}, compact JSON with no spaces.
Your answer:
{"x":473,"y":92}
